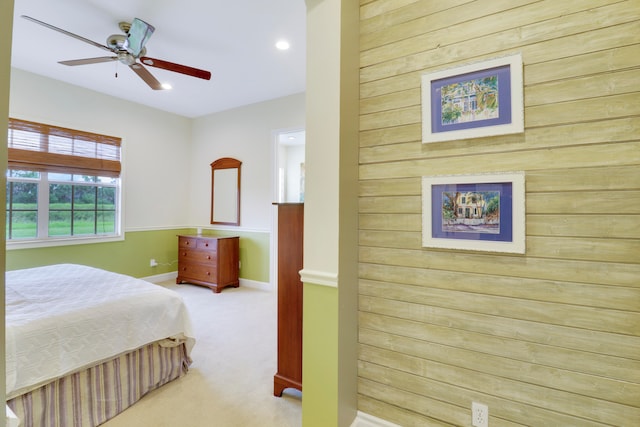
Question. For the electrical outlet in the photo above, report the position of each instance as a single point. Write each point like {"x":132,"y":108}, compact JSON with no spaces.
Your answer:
{"x":479,"y":415}
{"x":153,"y":263}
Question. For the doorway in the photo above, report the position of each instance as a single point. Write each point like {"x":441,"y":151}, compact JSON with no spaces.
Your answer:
{"x":288,"y":182}
{"x":289,"y":169}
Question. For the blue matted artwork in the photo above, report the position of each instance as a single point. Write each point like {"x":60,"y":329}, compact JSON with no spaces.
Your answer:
{"x":472,"y":101}
{"x":472,"y":211}
{"x":483,"y":212}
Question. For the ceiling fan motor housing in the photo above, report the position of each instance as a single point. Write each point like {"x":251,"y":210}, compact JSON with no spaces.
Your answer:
{"x":118,"y":44}
{"x":117,"y":41}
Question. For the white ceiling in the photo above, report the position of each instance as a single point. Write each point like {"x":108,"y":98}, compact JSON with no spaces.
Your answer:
{"x":233,"y":39}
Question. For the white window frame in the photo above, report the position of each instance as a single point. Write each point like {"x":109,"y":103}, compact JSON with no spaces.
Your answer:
{"x":43,"y":240}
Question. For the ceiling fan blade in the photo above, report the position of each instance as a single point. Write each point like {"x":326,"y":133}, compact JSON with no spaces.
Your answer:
{"x":67,"y":33}
{"x":177,"y":68}
{"x":89,"y":60}
{"x":146,"y":76}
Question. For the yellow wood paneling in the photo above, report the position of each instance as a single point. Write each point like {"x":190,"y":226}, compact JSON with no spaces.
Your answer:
{"x":416,"y":375}
{"x":456,"y":290}
{"x":619,"y":58}
{"x":402,"y":24}
{"x":603,"y":367}
{"x":451,"y":27}
{"x":606,"y":273}
{"x":382,"y":148}
{"x":536,"y":160}
{"x":401,"y":416}
{"x":598,"y":226}
{"x":369,"y":8}
{"x":549,"y":337}
{"x":442,"y":57}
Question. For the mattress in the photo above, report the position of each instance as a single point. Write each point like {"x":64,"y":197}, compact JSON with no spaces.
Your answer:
{"x":66,"y":317}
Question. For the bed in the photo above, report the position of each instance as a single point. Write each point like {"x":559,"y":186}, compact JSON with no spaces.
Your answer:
{"x":83,"y":344}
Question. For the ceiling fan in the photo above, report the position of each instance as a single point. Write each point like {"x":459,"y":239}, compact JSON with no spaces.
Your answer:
{"x":129,"y":48}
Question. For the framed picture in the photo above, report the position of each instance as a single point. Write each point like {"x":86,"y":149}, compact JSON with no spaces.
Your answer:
{"x":474,"y":212}
{"x":473,"y":101}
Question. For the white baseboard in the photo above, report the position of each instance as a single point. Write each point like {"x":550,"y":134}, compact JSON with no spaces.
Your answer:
{"x":263,"y":286}
{"x":159,"y":278}
{"x":366,"y":420}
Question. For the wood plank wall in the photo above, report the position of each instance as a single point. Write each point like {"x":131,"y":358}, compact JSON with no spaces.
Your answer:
{"x":549,"y":338}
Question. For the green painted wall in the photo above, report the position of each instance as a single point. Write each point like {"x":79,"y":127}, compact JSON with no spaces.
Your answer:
{"x":254,"y":253}
{"x":320,"y":350}
{"x":131,"y":256}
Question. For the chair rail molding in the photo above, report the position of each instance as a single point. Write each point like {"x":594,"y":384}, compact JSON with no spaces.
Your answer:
{"x":319,"y":278}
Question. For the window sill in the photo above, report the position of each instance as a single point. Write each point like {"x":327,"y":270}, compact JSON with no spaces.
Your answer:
{"x":61,"y":241}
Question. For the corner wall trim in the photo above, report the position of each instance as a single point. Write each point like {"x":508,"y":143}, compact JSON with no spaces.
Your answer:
{"x":319,"y":278}
{"x":366,"y":420}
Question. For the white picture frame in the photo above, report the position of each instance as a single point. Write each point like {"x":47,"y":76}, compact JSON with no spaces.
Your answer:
{"x":459,"y":212}
{"x":472,"y":101}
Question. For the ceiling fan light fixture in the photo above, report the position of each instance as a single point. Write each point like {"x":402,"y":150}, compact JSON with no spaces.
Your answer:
{"x":282,"y":45}
{"x":126,"y":58}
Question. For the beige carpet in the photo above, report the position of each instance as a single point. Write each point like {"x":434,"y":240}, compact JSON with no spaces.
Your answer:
{"x":230,"y":382}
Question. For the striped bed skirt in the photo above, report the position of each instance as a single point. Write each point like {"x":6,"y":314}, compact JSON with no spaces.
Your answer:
{"x":90,"y":397}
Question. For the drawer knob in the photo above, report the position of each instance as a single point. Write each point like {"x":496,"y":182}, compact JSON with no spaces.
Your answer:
{"x":206,"y":244}
{"x":208,"y":256}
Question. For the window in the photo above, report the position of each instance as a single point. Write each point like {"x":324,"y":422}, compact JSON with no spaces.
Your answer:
{"x":61,"y":184}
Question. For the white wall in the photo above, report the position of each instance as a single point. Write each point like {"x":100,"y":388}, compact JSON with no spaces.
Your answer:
{"x":155,"y":144}
{"x":246,"y":134}
{"x":166,"y":157}
{"x":294,"y":162}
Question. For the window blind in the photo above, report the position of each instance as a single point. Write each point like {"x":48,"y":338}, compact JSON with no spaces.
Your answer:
{"x":47,"y":148}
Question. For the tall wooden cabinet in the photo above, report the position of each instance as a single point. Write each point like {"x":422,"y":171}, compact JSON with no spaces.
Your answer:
{"x":290,"y":238}
{"x":208,"y":261}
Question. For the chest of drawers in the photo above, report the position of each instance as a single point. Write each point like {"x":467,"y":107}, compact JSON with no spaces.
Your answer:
{"x":208,"y":261}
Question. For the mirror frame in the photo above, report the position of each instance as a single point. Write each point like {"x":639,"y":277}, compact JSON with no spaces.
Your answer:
{"x":225,"y":163}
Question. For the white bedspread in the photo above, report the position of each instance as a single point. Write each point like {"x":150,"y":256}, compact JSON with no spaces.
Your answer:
{"x":62,"y":318}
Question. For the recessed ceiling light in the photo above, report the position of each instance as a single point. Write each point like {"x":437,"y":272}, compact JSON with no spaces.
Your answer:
{"x":283,"y":45}
{"x":166,"y":86}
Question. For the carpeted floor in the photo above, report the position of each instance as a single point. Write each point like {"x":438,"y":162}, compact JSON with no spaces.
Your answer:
{"x":230,"y":382}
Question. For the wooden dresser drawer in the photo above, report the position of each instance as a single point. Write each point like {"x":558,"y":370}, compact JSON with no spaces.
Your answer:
{"x":207,"y":244}
{"x":196,"y":256}
{"x":187,"y":242}
{"x":203,"y":273}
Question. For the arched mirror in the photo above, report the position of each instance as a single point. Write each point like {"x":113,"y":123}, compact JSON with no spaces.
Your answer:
{"x":225,"y":191}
